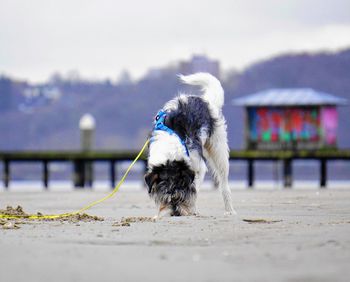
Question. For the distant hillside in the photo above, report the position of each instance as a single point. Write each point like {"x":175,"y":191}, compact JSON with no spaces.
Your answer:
{"x":47,"y":116}
{"x":123,"y":113}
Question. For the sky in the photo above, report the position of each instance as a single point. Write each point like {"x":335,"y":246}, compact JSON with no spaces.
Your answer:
{"x":102,"y":38}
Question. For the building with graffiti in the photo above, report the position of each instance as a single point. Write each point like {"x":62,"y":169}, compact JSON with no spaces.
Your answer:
{"x":299,"y":118}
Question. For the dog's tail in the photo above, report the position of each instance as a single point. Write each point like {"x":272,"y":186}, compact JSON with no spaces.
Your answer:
{"x":210,"y":86}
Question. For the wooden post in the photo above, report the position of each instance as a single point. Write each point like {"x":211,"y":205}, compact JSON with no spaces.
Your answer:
{"x":46,"y":173}
{"x":6,"y":175}
{"x":112,"y":173}
{"x":250,"y":173}
{"x":287,"y":173}
{"x":79,"y":174}
{"x":323,"y":173}
{"x":87,"y":126}
{"x":88,"y":173}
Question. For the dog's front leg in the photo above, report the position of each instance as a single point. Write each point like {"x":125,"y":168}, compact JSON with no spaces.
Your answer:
{"x":163,"y":211}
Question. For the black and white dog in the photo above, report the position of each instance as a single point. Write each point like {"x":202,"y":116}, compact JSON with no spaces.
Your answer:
{"x":189,"y":134}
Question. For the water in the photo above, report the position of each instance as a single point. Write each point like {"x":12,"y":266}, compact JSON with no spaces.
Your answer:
{"x":104,"y":186}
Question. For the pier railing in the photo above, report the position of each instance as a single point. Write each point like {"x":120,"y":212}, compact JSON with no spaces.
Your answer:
{"x":83,"y":175}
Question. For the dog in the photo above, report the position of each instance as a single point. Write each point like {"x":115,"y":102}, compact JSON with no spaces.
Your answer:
{"x":189,"y":134}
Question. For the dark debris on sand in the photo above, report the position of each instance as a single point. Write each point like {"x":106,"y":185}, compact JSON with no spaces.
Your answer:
{"x":79,"y":217}
{"x":126,"y":221}
{"x":14,"y":212}
{"x":260,"y":220}
{"x":23,"y":218}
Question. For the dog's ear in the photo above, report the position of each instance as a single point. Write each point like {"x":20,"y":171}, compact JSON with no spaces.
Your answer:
{"x":191,"y":175}
{"x":150,"y":178}
{"x":187,"y":177}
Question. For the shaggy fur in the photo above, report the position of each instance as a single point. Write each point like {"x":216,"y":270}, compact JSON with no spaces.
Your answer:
{"x":173,"y":178}
{"x":172,"y":185}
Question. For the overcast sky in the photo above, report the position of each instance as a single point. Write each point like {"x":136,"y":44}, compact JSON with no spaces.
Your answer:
{"x":100,"y":38}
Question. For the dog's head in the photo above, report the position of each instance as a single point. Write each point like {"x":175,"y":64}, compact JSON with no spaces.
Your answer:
{"x":171,"y":185}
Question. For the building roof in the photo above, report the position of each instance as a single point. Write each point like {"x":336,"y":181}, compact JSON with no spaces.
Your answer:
{"x":289,"y":97}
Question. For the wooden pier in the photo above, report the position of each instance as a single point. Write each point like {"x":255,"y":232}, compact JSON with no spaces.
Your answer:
{"x":83,"y":176}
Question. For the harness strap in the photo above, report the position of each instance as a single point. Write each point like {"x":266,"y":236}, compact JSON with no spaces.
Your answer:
{"x":159,"y":124}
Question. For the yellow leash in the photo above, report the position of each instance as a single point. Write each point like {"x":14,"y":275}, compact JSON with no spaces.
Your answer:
{"x":55,"y":216}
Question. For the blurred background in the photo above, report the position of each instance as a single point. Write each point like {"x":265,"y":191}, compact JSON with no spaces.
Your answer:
{"x":118,"y":60}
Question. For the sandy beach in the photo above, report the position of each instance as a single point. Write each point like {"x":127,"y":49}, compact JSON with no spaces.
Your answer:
{"x":278,"y":235}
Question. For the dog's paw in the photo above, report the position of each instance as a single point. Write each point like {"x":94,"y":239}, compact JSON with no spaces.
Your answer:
{"x":230,"y":212}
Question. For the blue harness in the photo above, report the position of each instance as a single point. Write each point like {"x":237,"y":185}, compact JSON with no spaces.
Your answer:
{"x":160,"y":125}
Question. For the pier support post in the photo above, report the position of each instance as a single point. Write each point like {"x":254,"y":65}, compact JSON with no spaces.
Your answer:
{"x":287,"y":173}
{"x":87,"y":125}
{"x":46,"y":174}
{"x":79,"y":174}
{"x":250,"y":173}
{"x":6,"y":173}
{"x":112,"y":173}
{"x":323,"y":173}
{"x":89,"y":173}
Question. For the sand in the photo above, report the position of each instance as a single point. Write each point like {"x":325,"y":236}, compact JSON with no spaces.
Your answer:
{"x":290,"y":235}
